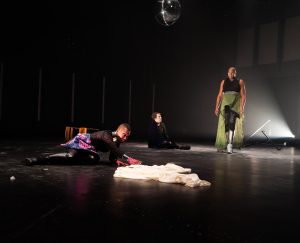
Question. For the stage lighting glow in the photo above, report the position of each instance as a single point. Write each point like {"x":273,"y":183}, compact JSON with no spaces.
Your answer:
{"x":265,"y":113}
{"x":261,"y":127}
{"x":275,"y":128}
{"x":280,"y":129}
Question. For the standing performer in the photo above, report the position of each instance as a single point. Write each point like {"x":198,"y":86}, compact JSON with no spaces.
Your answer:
{"x":230,"y":105}
{"x":84,"y":147}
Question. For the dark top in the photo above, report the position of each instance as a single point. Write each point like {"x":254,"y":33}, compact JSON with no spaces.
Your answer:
{"x":233,"y":85}
{"x":157,"y":135}
{"x":105,"y":141}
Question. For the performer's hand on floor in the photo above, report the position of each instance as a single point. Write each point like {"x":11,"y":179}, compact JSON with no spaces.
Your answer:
{"x":133,"y":161}
{"x":121,"y":163}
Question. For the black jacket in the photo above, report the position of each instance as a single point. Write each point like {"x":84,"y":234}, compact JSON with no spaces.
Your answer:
{"x":157,"y":135}
{"x":104,"y":141}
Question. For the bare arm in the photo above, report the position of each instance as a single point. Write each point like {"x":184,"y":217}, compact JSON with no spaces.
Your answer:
{"x":243,"y":97}
{"x":219,"y":98}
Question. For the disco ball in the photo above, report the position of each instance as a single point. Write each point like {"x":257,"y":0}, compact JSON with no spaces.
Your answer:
{"x":167,"y":12}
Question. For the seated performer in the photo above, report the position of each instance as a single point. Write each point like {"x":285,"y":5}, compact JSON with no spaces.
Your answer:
{"x":158,"y":136}
{"x":230,"y":105}
{"x":85,"y":146}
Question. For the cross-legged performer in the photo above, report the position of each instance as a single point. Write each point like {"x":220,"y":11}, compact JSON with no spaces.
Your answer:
{"x":84,"y":147}
{"x":230,"y":105}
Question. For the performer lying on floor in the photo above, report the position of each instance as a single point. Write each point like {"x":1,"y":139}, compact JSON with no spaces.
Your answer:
{"x":158,"y":137}
{"x":84,"y":147}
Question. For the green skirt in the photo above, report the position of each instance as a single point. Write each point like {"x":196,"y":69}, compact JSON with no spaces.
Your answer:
{"x":233,"y":101}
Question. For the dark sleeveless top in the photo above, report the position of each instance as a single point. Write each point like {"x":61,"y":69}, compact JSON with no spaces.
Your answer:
{"x":233,"y":85}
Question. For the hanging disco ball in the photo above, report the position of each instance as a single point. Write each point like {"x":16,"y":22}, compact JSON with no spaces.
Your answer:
{"x":167,"y":12}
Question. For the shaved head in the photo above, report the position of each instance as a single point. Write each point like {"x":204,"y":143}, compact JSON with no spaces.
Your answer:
{"x":123,"y":132}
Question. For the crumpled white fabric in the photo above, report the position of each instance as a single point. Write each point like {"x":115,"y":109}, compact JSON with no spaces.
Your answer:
{"x":169,"y":173}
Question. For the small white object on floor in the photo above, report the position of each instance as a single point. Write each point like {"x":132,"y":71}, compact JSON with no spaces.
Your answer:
{"x":169,"y":173}
{"x":12,"y":178}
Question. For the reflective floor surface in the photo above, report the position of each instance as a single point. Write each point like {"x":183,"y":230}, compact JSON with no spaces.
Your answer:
{"x":254,"y":197}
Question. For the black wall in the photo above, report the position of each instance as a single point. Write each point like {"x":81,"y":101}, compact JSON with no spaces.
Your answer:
{"x":122,"y":42}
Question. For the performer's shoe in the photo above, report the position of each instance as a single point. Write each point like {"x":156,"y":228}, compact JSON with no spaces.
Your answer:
{"x":35,"y":160}
{"x":229,"y":148}
{"x":29,"y":161}
{"x":185,"y":147}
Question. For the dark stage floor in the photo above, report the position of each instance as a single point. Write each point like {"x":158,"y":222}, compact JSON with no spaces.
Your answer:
{"x":254,"y":197}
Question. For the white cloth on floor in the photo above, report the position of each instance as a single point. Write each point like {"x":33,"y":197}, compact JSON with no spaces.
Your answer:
{"x":169,"y":173}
